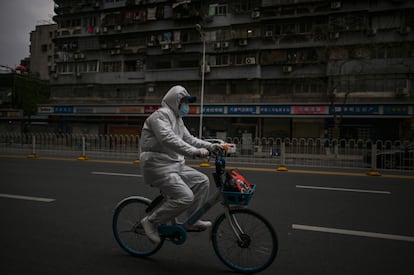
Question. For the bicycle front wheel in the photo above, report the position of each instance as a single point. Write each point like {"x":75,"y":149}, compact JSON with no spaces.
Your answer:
{"x":245,"y":242}
{"x":128,"y":232}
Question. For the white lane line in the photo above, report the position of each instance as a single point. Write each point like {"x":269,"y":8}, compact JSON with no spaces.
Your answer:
{"x":115,"y":174}
{"x":353,"y":232}
{"x":18,"y":197}
{"x":343,"y":189}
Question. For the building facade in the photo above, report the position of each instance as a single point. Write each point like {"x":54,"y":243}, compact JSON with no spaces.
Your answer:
{"x":42,"y":51}
{"x":283,"y":68}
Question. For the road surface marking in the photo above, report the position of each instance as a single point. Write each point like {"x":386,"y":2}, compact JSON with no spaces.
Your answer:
{"x":116,"y":174}
{"x":353,"y":232}
{"x":343,"y":189}
{"x":18,"y":197}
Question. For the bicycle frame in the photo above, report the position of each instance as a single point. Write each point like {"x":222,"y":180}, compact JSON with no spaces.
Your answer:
{"x":217,"y":198}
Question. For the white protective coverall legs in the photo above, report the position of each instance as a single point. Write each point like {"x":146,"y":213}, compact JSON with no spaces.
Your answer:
{"x":184,"y":192}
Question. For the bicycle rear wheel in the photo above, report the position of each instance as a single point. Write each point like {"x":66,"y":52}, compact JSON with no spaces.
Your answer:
{"x":128,"y":232}
{"x":248,"y":243}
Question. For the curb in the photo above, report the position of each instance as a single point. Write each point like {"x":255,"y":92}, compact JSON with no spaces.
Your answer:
{"x":83,"y":158}
{"x":374,"y":173}
{"x":282,"y":168}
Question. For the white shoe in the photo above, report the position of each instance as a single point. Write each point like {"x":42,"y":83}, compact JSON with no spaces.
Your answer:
{"x":150,"y":230}
{"x":199,"y":226}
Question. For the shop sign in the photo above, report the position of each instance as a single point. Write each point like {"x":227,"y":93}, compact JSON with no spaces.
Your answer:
{"x":63,"y":109}
{"x":84,"y":110}
{"x":241,"y":110}
{"x":213,"y":109}
{"x":193,"y":109}
{"x":310,"y":110}
{"x":150,"y":109}
{"x":14,"y":114}
{"x":106,"y":110}
{"x":45,"y":110}
{"x":356,"y":110}
{"x":131,"y":110}
{"x":275,"y":110}
{"x":395,"y":110}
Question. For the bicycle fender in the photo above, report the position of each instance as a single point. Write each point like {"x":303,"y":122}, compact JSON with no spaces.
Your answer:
{"x":134,"y":198}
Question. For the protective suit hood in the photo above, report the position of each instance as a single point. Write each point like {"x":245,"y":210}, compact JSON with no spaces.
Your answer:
{"x":173,"y":98}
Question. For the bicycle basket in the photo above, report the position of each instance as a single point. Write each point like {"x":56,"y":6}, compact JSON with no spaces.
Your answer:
{"x":237,"y":198}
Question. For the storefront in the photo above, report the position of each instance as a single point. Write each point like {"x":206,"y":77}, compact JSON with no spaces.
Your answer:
{"x":356,"y":121}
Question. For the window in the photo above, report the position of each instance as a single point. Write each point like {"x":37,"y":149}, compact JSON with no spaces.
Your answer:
{"x":113,"y":66}
{"x":242,"y":6}
{"x":223,"y":59}
{"x":133,"y":65}
{"x":217,"y":9}
{"x":88,"y":66}
{"x":66,"y":67}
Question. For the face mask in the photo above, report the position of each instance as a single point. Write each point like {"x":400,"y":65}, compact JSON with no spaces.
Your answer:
{"x":184,"y":109}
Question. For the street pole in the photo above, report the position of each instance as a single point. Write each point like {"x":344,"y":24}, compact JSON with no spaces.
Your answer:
{"x":203,"y":67}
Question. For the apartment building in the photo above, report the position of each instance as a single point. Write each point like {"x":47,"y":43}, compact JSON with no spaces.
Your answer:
{"x":42,"y":50}
{"x":284,"y":68}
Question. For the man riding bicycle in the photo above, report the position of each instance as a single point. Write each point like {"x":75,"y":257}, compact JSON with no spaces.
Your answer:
{"x":164,"y":142}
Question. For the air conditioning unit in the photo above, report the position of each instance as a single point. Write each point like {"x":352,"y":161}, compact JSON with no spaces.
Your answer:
{"x":225,"y":44}
{"x":250,"y":60}
{"x":105,"y":29}
{"x":287,"y":69}
{"x":206,"y":68}
{"x":165,"y":46}
{"x":269,"y":34}
{"x":217,"y":45}
{"x":76,"y":56}
{"x":243,"y":42}
{"x":118,"y":28}
{"x":78,"y":74}
{"x":255,"y":14}
{"x":336,"y":5}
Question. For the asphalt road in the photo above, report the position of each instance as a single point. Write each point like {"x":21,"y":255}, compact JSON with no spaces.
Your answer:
{"x":56,"y":219}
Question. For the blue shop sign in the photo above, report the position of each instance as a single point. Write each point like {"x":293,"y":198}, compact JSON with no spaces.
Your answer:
{"x":241,"y":110}
{"x":63,"y":109}
{"x":355,"y":110}
{"x":275,"y":110}
{"x":213,"y":109}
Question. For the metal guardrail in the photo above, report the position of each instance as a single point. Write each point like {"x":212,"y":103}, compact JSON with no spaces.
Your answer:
{"x":366,"y":154}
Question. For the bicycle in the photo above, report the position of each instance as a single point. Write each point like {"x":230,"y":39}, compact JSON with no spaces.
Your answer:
{"x":242,"y":239}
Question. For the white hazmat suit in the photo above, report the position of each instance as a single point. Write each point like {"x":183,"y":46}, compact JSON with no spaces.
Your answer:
{"x":164,"y":142}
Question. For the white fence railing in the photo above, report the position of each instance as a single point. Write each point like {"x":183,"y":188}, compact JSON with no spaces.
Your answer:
{"x":393,"y":155}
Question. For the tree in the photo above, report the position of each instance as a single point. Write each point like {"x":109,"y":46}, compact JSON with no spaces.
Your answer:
{"x":28,"y":93}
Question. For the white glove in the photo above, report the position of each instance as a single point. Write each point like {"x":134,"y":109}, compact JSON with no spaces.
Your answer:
{"x":201,"y":153}
{"x":214,"y":147}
